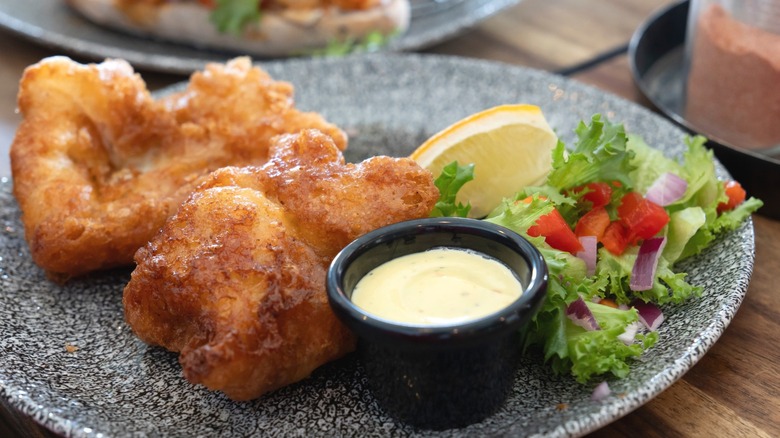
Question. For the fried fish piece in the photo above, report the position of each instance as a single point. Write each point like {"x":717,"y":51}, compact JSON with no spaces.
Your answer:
{"x":99,"y":164}
{"x":235,"y":281}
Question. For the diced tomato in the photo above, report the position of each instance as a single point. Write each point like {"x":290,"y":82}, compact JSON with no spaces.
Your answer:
{"x":736,"y":195}
{"x":598,"y":194}
{"x":615,"y":238}
{"x":556,"y":232}
{"x":642,"y":218}
{"x":593,"y":223}
{"x":629,"y":203}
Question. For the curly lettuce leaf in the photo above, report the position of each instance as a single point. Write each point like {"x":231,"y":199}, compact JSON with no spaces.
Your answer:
{"x":683,"y":225}
{"x":719,"y":224}
{"x":697,"y":168}
{"x":452,"y":178}
{"x":649,"y":163}
{"x":707,"y":192}
{"x":547,"y":192}
{"x":570,"y":349}
{"x":547,"y":329}
{"x":668,"y":286}
{"x":599,"y":155}
{"x":694,"y":219}
{"x":519,"y":216}
{"x":704,"y":189}
{"x":597,"y":352}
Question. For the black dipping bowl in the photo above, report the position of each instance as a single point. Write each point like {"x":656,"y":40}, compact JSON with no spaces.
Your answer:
{"x":439,"y":377}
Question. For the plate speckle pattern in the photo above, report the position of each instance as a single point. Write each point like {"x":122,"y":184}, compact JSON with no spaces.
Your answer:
{"x":114,"y":385}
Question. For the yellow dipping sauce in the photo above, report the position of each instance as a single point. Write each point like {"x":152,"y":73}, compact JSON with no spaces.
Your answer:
{"x":442,"y":286}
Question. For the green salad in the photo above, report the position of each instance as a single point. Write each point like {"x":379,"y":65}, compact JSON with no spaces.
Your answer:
{"x":612,"y":220}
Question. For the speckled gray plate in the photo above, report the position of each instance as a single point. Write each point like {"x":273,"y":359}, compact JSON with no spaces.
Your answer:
{"x":53,"y":24}
{"x":115,"y":385}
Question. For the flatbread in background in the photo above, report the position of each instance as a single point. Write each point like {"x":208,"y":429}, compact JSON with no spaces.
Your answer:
{"x":285,"y":28}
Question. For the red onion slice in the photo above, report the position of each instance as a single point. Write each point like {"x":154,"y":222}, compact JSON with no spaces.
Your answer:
{"x":601,"y":391}
{"x":666,"y":189}
{"x":649,"y":314}
{"x":579,"y":313}
{"x":643,"y":272}
{"x":588,"y":253}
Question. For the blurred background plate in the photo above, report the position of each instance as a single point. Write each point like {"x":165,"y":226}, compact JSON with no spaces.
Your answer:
{"x":656,"y":55}
{"x":51,"y":23}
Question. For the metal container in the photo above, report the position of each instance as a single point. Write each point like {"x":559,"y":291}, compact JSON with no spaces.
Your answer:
{"x":732,"y":61}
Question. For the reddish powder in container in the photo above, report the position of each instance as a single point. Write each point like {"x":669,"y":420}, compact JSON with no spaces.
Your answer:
{"x":733,"y":90}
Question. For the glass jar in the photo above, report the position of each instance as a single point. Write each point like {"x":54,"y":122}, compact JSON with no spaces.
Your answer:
{"x":733,"y":62}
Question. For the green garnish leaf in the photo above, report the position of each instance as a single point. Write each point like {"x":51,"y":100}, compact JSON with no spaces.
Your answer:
{"x":372,"y":42}
{"x":600,"y":155}
{"x":231,"y":16}
{"x":452,"y":178}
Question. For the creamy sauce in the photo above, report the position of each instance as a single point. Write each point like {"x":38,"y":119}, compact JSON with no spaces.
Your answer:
{"x":441,"y":286}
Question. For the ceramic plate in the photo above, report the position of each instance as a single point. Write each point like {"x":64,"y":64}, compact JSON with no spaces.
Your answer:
{"x":115,"y":385}
{"x":53,"y":24}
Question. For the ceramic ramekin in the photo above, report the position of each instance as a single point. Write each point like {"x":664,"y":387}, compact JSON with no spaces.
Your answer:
{"x":439,"y":377}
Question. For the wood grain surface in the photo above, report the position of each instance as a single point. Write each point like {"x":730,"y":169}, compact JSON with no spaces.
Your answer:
{"x":734,"y":391}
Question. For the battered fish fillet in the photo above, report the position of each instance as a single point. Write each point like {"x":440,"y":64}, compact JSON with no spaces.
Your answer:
{"x":235,"y":281}
{"x":98,"y":164}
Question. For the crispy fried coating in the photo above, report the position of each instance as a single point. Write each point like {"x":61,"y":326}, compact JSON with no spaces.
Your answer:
{"x":235,"y":281}
{"x":99,"y":164}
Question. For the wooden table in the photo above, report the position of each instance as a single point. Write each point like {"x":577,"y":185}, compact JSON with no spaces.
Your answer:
{"x":734,"y":391}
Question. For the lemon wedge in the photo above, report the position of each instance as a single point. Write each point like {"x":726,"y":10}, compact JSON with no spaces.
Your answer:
{"x":510,"y":146}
